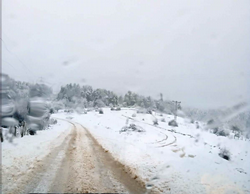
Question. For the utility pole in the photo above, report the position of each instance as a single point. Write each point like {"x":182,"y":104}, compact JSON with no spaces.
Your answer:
{"x":176,"y":107}
{"x":41,"y":80}
{"x":161,"y":95}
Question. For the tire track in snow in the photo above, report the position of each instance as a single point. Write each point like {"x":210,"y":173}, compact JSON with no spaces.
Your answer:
{"x":163,"y":140}
{"x":175,"y":139}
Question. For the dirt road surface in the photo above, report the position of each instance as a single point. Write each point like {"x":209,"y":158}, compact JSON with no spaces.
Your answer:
{"x":78,"y":165}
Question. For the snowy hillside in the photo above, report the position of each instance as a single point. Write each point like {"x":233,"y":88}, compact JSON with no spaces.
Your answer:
{"x":168,"y":159}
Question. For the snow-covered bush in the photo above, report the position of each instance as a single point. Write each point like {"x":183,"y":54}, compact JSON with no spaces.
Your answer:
{"x":149,"y":112}
{"x":90,"y":109}
{"x":210,"y":122}
{"x":163,"y":120}
{"x":115,"y":109}
{"x":132,"y":127}
{"x":57,"y":106}
{"x":197,"y":125}
{"x":155,"y":122}
{"x":237,"y":135}
{"x":223,"y":133}
{"x":32,"y":132}
{"x":68,"y":111}
{"x":225,"y":154}
{"x":134,"y":115}
{"x":247,"y":136}
{"x":101,"y":111}
{"x":215,"y":130}
{"x":235,"y":129}
{"x":173,"y":123}
{"x":99,"y":103}
{"x":141,"y":111}
{"x":52,"y":121}
{"x":52,"y":111}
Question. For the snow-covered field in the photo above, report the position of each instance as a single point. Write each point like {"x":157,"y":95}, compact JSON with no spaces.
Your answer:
{"x":183,"y":160}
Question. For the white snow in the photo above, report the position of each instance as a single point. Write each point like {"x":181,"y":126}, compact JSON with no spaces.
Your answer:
{"x":186,"y":162}
{"x":174,"y":160}
{"x":18,"y":156}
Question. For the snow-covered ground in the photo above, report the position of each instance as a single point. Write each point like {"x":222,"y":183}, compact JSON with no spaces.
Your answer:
{"x":183,"y":160}
{"x":32,"y":146}
{"x":20,"y":156}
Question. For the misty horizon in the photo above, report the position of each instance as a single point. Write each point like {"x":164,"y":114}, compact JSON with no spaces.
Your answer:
{"x":194,"y":52}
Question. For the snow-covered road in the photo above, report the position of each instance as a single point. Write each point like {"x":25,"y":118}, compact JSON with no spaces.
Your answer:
{"x":72,"y":162}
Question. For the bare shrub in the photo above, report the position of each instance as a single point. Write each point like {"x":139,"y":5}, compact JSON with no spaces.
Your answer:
{"x":141,"y":111}
{"x":173,"y":123}
{"x":225,"y":154}
{"x":32,"y":131}
{"x":155,"y":122}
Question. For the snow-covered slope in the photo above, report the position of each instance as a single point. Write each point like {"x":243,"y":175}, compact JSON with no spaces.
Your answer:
{"x":171,"y":160}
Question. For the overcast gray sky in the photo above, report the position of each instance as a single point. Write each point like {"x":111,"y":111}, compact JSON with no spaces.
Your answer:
{"x":196,"y":51}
